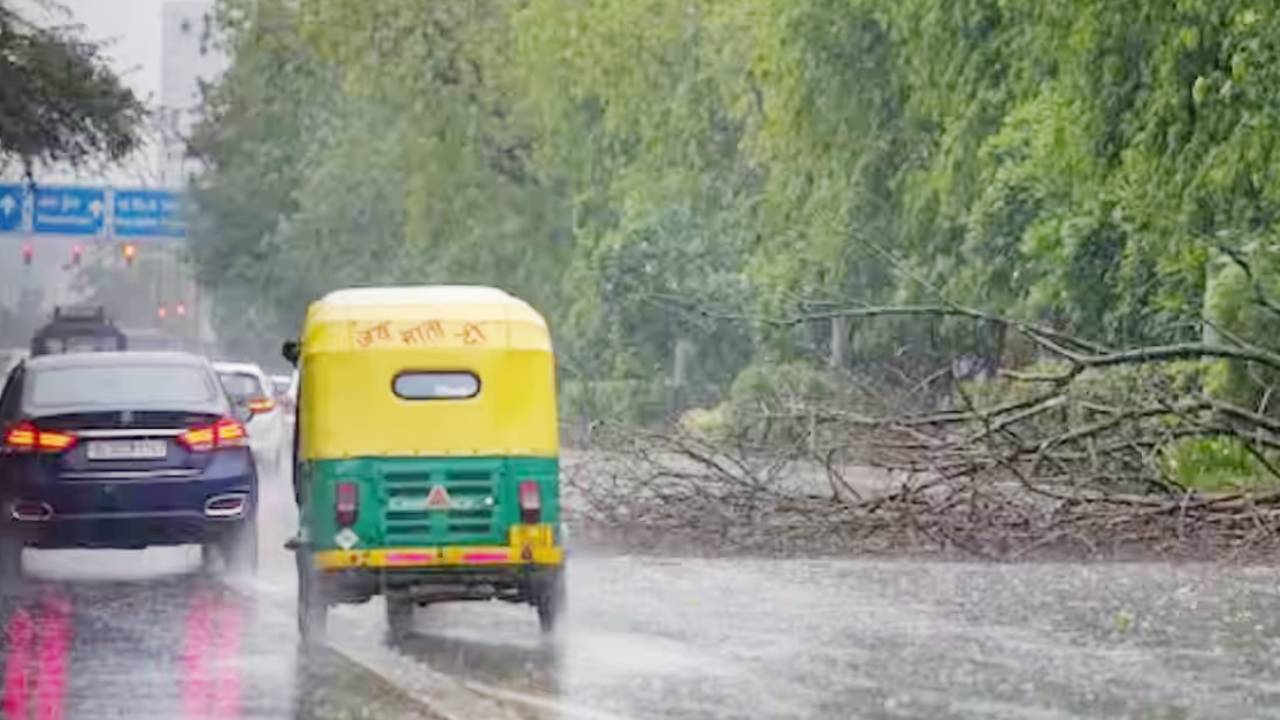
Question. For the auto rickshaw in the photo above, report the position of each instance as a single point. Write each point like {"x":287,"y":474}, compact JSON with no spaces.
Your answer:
{"x":426,"y":453}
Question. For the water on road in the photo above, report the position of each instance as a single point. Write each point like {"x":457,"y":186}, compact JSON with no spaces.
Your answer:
{"x":732,"y":639}
{"x":150,"y":635}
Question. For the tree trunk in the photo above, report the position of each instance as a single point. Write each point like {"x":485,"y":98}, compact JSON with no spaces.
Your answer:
{"x":839,"y":343}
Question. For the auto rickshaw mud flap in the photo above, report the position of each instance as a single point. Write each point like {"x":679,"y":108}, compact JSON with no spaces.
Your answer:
{"x":550,"y":597}
{"x":399,"y":610}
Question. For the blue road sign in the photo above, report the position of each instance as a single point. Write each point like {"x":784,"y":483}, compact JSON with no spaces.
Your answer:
{"x":69,"y":210}
{"x":148,"y":213}
{"x":10,"y":208}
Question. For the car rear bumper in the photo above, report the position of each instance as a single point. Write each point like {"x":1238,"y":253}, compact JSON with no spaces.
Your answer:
{"x":439,"y":558}
{"x":526,"y":546}
{"x":511,"y":572}
{"x":514,"y":583}
{"x":129,"y":512}
{"x":125,"y":530}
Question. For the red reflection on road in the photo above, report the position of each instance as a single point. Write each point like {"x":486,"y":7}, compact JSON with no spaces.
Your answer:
{"x":20,"y":633}
{"x":210,"y":677}
{"x":35,"y":672}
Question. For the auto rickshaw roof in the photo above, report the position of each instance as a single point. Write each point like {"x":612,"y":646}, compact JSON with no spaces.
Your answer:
{"x":357,"y":342}
{"x":474,"y":302}
{"x":448,"y":315}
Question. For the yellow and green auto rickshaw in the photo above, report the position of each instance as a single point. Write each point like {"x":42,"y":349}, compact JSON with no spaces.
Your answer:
{"x":426,"y":453}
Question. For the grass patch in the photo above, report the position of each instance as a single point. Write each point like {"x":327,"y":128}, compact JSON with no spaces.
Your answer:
{"x":1218,"y":464}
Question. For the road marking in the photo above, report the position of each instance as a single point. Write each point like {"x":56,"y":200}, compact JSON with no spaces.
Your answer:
{"x":267,"y":596}
{"x":562,"y":709}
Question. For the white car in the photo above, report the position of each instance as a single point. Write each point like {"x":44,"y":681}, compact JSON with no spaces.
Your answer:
{"x":251,"y":390}
{"x":283,"y":388}
{"x":280,"y":384}
{"x":293,"y":395}
{"x":11,"y":357}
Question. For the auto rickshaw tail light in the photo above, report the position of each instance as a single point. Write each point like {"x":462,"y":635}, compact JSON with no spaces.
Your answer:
{"x":225,"y":433}
{"x":530,"y":502}
{"x":346,"y":504}
{"x":26,"y":437}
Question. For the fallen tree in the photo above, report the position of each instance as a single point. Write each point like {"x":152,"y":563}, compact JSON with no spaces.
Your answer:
{"x":1077,"y":456}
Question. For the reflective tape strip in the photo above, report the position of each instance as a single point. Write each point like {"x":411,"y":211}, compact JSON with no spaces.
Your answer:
{"x":419,"y":557}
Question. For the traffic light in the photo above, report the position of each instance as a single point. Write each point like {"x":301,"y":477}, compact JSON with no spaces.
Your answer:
{"x":180,"y":309}
{"x":130,"y":252}
{"x":27,"y":253}
{"x":76,"y":252}
{"x":162,"y":312}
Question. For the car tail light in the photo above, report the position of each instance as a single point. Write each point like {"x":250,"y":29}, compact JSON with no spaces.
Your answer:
{"x":26,"y":437}
{"x":530,"y":502}
{"x":225,"y":433}
{"x":346,"y":504}
{"x":261,"y":405}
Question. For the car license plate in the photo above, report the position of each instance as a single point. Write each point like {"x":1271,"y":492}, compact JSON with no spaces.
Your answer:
{"x":127,"y":449}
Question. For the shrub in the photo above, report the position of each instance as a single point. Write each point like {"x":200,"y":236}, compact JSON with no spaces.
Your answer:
{"x":1214,"y":464}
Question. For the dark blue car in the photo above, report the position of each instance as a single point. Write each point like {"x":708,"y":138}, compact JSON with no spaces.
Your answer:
{"x":124,"y":450}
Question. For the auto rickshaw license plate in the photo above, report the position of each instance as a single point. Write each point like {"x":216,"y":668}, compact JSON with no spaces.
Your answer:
{"x":126,"y":449}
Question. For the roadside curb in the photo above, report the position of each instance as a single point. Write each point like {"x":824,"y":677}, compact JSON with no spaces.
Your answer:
{"x":426,"y":707}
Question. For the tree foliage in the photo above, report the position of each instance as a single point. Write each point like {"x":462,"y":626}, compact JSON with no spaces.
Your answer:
{"x":58,"y":101}
{"x":638,"y":169}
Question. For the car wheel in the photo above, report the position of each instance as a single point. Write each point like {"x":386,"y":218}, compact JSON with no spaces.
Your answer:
{"x":550,"y":598}
{"x":240,"y":548}
{"x":313,"y":606}
{"x":399,"y":616}
{"x":10,"y":561}
{"x":210,"y":556}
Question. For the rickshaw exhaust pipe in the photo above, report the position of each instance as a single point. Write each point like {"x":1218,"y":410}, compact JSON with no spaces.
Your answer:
{"x":437,"y":593}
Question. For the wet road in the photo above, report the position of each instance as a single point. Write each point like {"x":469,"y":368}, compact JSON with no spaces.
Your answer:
{"x":152,"y":636}
{"x":148,"y":635}
{"x":699,"y":639}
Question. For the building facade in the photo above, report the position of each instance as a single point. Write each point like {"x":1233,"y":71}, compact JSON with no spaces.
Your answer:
{"x":189,"y":57}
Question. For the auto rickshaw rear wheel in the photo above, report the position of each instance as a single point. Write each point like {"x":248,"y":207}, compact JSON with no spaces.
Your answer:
{"x":550,"y":598}
{"x":399,"y":615}
{"x":313,"y":606}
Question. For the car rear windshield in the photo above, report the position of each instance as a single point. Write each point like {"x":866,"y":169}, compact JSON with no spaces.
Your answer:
{"x":177,"y":386}
{"x":79,"y":343}
{"x":242,"y":386}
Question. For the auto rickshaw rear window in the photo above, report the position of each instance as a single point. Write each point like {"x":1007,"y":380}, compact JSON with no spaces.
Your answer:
{"x":422,"y":385}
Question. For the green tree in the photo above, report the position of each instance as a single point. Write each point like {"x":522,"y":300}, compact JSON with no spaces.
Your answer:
{"x":643,"y":171}
{"x":59,"y":103}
